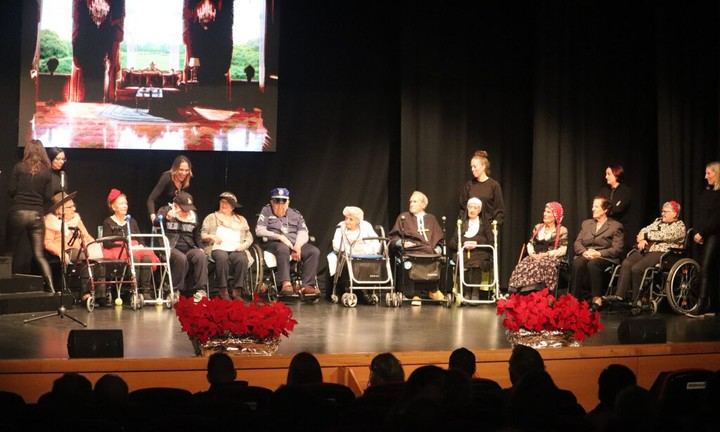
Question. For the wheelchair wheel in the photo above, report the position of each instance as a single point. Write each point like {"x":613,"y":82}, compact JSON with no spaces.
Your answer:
{"x":374,"y":299}
{"x":334,"y":298}
{"x":136,"y":301}
{"x":255,"y":274}
{"x":682,"y":286}
{"x":449,"y":299}
{"x":349,"y":300}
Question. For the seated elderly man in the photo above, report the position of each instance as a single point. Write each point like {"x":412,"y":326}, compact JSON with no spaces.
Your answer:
{"x":287,"y":238}
{"x":182,"y":229}
{"x":417,"y":233}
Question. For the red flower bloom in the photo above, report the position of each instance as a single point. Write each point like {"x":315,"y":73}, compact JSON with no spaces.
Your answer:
{"x":215,"y":318}
{"x":540,"y":311}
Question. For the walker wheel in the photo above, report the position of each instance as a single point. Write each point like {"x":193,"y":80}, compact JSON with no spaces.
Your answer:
{"x":90,"y":303}
{"x":389,"y":299}
{"x":374,"y":299}
{"x":334,"y":298}
{"x":448,"y":299}
{"x":398,"y":299}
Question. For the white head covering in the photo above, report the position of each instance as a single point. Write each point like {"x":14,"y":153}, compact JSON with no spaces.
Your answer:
{"x":354,"y":211}
{"x":475,"y":201}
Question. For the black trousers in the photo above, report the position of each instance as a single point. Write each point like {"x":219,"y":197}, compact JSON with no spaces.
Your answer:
{"x":709,"y":294}
{"x":632,"y":270}
{"x":181,"y":264}
{"x":309,"y":257}
{"x":226,"y":261}
{"x":588,"y":276}
{"x":30,"y":223}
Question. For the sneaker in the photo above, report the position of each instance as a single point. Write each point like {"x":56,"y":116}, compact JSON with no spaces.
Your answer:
{"x":416,"y":301}
{"x":436,"y":295}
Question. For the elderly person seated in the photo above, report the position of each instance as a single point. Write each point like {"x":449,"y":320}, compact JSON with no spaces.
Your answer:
{"x":475,"y":230}
{"x":183,"y":232}
{"x":62,"y":214}
{"x":227,"y":237}
{"x":417,"y":233}
{"x":546,"y":247}
{"x":665,"y":233}
{"x":117,"y":225}
{"x":598,"y":246}
{"x":286,"y":236}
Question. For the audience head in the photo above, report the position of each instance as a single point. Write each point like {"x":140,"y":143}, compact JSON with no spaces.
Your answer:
{"x":612,"y":380}
{"x":57,"y":158}
{"x":522,"y":361}
{"x":304,"y":369}
{"x":385,"y":368}
{"x":463,"y":359}
{"x":353,"y":217}
{"x":480,"y":164}
{"x":712,"y":175}
{"x":181,"y":171}
{"x":72,"y":389}
{"x":279,"y":201}
{"x":418,"y":202}
{"x":614,"y":175}
{"x":111,"y":391}
{"x":636,"y":409}
{"x":670,"y":211}
{"x":474,"y":207}
{"x":426,"y":382}
{"x":600,"y":207}
{"x":117,"y":201}
{"x":227,"y":203}
{"x":34,"y":157}
{"x":183,"y":204}
{"x":553,"y":213}
{"x":220,"y":369}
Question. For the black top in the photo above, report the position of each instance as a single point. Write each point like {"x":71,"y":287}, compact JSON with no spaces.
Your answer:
{"x":478,"y":257}
{"x":56,"y":183}
{"x":164,"y":189}
{"x":621,"y":199}
{"x":490,"y":193}
{"x":111,"y":228}
{"x":29,"y":192}
{"x":707,"y":221}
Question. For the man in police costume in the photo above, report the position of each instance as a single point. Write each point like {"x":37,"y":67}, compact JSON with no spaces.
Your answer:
{"x":287,"y":238}
{"x":183,"y":233}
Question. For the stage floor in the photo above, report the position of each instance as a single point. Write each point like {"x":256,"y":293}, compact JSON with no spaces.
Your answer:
{"x":322,"y":328}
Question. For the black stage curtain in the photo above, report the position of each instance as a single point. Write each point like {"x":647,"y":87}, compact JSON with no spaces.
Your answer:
{"x":377,"y":99}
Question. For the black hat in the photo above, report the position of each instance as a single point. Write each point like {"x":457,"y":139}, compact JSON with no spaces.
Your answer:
{"x":185,"y":201}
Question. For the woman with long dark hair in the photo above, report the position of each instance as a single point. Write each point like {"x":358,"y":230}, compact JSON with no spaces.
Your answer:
{"x":57,"y":164}
{"x":171,"y":182}
{"x":30,"y":188}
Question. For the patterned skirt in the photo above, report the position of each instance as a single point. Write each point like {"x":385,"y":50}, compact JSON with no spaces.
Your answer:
{"x":532,"y":271}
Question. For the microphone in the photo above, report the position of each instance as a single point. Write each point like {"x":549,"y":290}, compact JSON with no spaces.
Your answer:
{"x":128,"y":217}
{"x":62,"y":179}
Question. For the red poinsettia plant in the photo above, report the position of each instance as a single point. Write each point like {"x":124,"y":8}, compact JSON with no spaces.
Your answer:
{"x":542,"y":311}
{"x":217,"y":318}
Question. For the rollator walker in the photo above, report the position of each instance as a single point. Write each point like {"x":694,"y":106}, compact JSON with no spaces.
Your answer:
{"x":460,"y":283}
{"x":366,"y":273}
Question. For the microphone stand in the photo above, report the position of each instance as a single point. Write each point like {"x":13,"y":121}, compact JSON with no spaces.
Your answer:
{"x":61,"y":310}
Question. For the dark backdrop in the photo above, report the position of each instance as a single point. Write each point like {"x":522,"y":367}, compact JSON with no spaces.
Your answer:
{"x":377,"y":99}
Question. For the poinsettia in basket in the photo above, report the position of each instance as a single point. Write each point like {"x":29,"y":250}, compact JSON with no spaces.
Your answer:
{"x":540,"y":320}
{"x":235,"y":327}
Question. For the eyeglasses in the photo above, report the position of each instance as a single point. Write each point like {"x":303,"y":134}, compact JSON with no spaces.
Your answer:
{"x":278,"y":200}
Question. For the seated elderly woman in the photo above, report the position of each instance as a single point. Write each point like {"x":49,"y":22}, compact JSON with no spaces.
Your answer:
{"x":597,"y":247}
{"x":228,"y":237}
{"x":117,"y":225}
{"x":652,"y":242}
{"x":475,"y":231}
{"x":417,"y":233}
{"x":76,"y":236}
{"x":546,"y":247}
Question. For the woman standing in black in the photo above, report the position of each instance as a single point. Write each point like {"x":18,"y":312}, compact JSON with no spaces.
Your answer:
{"x":707,"y":226}
{"x":30,"y":188}
{"x":57,"y":163}
{"x":484,"y":188}
{"x":170,"y":183}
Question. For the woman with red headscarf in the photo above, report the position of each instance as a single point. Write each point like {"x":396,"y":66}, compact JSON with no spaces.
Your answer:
{"x":546,"y":247}
{"x":665,"y":233}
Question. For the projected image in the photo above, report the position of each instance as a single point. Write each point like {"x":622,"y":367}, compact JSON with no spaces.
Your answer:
{"x":152,"y":74}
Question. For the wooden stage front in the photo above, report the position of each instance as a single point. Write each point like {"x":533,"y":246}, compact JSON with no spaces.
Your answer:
{"x":157,"y":353}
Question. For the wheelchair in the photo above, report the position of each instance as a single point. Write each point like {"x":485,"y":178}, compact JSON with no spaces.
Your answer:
{"x":675,"y":278}
{"x":460,"y":284}
{"x":366,"y":273}
{"x":263,"y":280}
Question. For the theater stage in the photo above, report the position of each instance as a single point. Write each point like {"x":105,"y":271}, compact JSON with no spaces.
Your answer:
{"x":158,"y":353}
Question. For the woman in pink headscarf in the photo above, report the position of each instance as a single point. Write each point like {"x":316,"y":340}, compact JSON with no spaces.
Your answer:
{"x":546,"y":247}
